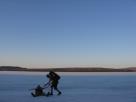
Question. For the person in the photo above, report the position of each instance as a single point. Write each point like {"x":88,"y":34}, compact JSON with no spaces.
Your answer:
{"x":38,"y":91}
{"x":53,"y":81}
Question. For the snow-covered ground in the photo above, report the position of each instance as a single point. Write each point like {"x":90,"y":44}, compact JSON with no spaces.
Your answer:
{"x":76,"y":87}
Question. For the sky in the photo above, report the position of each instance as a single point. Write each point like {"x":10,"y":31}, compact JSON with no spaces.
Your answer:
{"x":68,"y":33}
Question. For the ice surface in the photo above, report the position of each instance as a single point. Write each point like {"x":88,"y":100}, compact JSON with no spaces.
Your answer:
{"x":77,"y":88}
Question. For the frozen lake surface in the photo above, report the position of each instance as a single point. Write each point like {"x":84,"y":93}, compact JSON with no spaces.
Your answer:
{"x":76,"y":87}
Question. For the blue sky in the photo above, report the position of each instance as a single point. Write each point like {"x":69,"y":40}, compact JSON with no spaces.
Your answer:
{"x":68,"y":33}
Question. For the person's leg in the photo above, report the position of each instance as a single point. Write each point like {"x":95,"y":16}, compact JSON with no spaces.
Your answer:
{"x":56,"y":88}
{"x":51,"y":90}
{"x":59,"y":92}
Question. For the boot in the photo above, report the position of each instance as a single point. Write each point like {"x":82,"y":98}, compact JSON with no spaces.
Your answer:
{"x":59,"y":93}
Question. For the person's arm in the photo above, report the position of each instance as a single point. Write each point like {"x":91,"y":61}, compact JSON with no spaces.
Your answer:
{"x":47,"y":84}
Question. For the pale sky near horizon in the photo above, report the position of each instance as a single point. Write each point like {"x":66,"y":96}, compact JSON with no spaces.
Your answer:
{"x":68,"y":33}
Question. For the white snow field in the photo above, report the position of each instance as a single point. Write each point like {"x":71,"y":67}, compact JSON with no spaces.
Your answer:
{"x":93,"y":87}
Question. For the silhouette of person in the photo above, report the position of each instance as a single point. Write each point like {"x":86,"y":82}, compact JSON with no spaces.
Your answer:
{"x":54,"y":80}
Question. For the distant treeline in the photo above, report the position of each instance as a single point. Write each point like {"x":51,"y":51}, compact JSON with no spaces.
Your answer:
{"x":72,"y":69}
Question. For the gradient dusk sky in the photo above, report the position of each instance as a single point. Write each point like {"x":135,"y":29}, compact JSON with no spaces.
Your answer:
{"x":68,"y":33}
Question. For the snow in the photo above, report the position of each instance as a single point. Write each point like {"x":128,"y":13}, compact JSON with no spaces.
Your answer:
{"x":99,"y":87}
